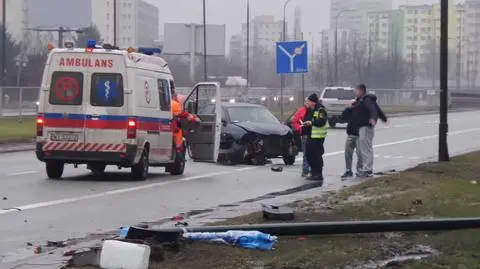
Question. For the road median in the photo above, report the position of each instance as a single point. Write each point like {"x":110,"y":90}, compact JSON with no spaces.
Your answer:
{"x":432,"y":190}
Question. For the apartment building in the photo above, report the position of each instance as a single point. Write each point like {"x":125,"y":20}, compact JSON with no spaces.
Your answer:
{"x":265,"y":31}
{"x":235,"y":53}
{"x":385,"y":32}
{"x":352,"y":14}
{"x":470,"y":31}
{"x":346,"y":40}
{"x":137,"y":21}
{"x":422,"y":30}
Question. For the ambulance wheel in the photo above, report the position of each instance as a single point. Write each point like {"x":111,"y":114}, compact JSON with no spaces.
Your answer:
{"x":140,"y":170}
{"x":97,"y":168}
{"x":54,"y":170}
{"x":178,"y":166}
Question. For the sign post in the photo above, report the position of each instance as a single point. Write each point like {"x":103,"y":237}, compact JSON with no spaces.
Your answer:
{"x":292,"y":58}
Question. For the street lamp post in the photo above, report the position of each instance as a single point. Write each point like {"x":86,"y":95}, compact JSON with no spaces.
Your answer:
{"x":284,"y":37}
{"x":248,"y":45}
{"x":4,"y":44}
{"x":443,"y":154}
{"x":20,"y":61}
{"x":60,"y":30}
{"x":115,"y":41}
{"x":204,"y":41}
{"x":336,"y":43}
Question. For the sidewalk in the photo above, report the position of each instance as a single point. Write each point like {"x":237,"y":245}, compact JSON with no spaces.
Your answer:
{"x":429,"y":190}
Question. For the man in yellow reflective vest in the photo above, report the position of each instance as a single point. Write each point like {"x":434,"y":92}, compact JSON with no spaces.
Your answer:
{"x":316,"y":128}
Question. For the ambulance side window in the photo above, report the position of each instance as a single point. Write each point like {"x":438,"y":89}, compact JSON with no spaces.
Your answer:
{"x":164,"y":94}
{"x":66,"y":88}
{"x":106,"y":90}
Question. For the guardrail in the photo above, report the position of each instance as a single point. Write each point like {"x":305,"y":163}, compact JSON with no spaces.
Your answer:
{"x":18,"y":101}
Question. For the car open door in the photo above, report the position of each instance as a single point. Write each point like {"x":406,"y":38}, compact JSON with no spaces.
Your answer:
{"x":204,"y":141}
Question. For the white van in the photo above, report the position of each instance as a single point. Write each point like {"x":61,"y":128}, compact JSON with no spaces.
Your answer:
{"x":335,"y":100}
{"x":104,"y":106}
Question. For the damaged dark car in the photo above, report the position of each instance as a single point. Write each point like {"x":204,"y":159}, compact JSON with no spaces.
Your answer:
{"x":252,"y":134}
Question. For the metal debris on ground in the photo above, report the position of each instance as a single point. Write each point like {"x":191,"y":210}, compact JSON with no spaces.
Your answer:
{"x":417,"y":202}
{"x":57,"y":244}
{"x":143,"y":225}
{"x":4,"y":198}
{"x":277,"y":168}
{"x":242,"y":239}
{"x":271,"y":212}
{"x":178,"y":217}
{"x":418,"y":252}
{"x":38,"y":250}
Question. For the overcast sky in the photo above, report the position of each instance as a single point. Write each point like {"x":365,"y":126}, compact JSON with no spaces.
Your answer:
{"x":315,"y":13}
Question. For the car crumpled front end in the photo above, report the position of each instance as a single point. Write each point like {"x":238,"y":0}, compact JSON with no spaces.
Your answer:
{"x":255,"y":147}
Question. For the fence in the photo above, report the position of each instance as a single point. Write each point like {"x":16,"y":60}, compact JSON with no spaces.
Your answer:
{"x":18,"y":101}
{"x":22,"y":101}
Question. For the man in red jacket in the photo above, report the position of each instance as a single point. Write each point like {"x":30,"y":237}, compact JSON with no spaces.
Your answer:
{"x":298,"y":123}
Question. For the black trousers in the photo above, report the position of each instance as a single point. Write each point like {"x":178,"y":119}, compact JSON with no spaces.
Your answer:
{"x":315,"y":151}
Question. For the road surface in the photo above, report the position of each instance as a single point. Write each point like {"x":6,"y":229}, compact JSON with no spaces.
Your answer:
{"x":82,"y":203}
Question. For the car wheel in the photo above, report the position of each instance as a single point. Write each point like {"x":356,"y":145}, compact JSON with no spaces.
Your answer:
{"x":258,"y":159}
{"x":97,"y":168}
{"x":54,"y":170}
{"x":290,"y":155}
{"x":140,"y":170}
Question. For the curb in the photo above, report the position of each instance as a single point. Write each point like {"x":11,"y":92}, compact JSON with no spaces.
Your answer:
{"x":17,"y":149}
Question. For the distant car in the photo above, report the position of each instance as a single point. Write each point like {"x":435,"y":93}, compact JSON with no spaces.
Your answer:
{"x":336,"y":99}
{"x":251,"y":134}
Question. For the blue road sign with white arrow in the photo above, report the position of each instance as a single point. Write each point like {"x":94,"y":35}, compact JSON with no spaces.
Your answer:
{"x":292,"y":57}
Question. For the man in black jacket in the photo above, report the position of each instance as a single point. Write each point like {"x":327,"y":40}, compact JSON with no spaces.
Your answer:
{"x":351,"y":142}
{"x":366,"y":113}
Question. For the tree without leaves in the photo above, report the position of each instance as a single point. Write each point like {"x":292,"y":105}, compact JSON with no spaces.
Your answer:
{"x":85,"y":34}
{"x":12,"y":49}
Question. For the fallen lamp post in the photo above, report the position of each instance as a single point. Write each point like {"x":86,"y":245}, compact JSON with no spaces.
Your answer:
{"x":316,"y":228}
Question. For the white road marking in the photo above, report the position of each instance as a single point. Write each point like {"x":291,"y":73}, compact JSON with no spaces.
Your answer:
{"x":21,"y":173}
{"x":113,"y":192}
{"x":154,"y":185}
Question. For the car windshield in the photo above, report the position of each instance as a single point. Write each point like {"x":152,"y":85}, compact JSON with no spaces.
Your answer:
{"x":339,"y":93}
{"x":251,"y":114}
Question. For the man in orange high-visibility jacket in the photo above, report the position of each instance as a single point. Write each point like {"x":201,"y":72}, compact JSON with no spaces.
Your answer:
{"x":178,"y":115}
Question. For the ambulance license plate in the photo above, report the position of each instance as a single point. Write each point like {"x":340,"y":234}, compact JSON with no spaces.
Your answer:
{"x":68,"y":137}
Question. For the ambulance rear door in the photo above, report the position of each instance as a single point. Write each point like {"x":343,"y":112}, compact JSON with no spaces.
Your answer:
{"x":106,"y":106}
{"x":204,"y":141}
{"x":64,"y":104}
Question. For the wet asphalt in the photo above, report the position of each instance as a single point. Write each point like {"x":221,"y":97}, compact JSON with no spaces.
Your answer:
{"x":34,"y":209}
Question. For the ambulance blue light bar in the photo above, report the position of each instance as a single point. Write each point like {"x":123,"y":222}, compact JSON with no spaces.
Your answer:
{"x":91,"y":44}
{"x":149,"y":51}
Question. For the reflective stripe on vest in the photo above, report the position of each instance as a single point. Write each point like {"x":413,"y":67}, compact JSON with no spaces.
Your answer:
{"x":319,"y":132}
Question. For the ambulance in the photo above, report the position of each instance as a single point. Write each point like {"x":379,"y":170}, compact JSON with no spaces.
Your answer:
{"x":101,"y":105}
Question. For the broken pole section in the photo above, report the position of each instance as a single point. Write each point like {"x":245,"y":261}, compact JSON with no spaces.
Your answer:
{"x":316,"y":228}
